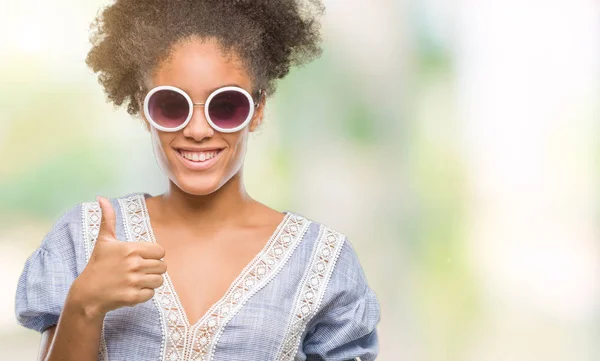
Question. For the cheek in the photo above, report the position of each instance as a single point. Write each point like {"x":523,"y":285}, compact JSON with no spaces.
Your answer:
{"x":160,"y":145}
{"x":238,"y":149}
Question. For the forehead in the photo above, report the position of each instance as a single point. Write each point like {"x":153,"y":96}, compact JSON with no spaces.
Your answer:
{"x":199,"y":67}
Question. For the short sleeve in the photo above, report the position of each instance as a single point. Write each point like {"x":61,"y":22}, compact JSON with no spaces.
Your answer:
{"x":345,"y":328}
{"x":47,"y":276}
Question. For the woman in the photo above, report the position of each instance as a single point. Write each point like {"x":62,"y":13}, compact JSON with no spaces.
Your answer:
{"x":244,"y":281}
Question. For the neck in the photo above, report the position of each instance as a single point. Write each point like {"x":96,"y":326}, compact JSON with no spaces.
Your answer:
{"x":225,"y":206}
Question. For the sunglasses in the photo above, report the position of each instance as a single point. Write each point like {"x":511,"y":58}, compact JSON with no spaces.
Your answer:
{"x":227,"y":109}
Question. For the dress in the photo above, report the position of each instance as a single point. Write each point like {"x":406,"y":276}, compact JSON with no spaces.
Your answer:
{"x":303,"y":297}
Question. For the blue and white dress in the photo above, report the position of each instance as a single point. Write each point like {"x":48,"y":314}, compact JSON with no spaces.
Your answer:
{"x":303,"y":297}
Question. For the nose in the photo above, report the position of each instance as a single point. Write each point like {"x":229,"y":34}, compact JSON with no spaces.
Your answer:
{"x":198,"y":127}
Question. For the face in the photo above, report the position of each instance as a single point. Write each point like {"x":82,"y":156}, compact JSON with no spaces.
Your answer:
{"x":198,"y":68}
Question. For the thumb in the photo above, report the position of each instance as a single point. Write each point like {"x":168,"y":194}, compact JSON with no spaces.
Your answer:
{"x":108,"y":221}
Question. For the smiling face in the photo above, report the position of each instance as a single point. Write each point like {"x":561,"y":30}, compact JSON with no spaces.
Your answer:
{"x":213,"y":158}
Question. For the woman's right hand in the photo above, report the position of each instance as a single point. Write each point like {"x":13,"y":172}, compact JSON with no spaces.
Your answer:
{"x":118,"y":273}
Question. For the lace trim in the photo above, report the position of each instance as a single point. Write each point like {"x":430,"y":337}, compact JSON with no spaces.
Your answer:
{"x":182,"y":341}
{"x":134,"y":221}
{"x":312,"y":289}
{"x":251,"y":280}
{"x":91,"y":216}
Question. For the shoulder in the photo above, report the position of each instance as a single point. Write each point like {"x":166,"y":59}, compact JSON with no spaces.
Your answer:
{"x":342,"y":308}
{"x":116,"y":202}
{"x":332,"y":249}
{"x":89,"y":211}
{"x":64,"y":231}
{"x":78,"y":221}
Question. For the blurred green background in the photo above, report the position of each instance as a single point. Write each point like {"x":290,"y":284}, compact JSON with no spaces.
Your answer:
{"x":454,"y":143}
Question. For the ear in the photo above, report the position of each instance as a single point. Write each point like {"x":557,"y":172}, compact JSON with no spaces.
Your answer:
{"x":259,"y":112}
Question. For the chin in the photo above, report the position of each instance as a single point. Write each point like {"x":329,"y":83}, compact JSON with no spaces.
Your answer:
{"x":199,"y":186}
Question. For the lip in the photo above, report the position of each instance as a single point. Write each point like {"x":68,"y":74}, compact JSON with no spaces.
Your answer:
{"x":199,"y":165}
{"x":190,"y":149}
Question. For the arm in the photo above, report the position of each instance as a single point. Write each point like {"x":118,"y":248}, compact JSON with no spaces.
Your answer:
{"x":47,"y":337}
{"x":344,"y":333}
{"x":67,"y":308}
{"x":75,"y":337}
{"x":345,"y":326}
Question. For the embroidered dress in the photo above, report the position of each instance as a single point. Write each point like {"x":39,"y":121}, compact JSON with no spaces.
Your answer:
{"x":304,"y":296}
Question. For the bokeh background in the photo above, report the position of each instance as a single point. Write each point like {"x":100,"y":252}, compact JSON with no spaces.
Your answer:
{"x":455,"y":143}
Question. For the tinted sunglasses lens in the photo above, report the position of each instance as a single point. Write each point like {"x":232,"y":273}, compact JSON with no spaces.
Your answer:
{"x":168,"y":108}
{"x":229,"y":109}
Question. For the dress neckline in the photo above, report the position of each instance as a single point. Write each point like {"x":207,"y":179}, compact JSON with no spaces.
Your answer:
{"x":183,"y":341}
{"x":233,"y":285}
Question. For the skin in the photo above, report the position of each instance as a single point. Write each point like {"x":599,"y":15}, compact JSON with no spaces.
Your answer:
{"x":207,"y":226}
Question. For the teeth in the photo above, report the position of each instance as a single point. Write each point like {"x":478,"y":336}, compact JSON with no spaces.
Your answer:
{"x":198,"y":157}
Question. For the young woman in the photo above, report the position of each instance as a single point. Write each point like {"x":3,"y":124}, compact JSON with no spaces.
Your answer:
{"x":244,"y":281}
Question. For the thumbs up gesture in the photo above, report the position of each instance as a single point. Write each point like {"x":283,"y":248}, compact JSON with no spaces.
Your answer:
{"x":118,"y":273}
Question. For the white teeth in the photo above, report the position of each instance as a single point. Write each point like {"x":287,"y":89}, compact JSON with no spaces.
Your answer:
{"x":200,"y":156}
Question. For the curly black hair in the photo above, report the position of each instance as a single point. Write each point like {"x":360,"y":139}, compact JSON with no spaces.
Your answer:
{"x":131,"y":37}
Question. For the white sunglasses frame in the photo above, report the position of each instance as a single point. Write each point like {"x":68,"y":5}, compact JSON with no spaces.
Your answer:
{"x":205,"y":104}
